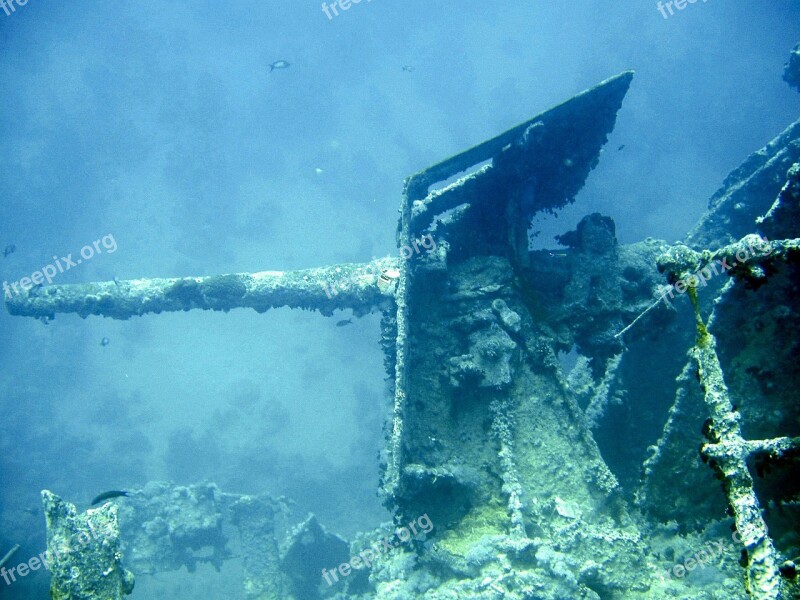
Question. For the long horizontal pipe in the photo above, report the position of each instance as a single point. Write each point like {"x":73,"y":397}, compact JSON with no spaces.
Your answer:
{"x":361,"y":287}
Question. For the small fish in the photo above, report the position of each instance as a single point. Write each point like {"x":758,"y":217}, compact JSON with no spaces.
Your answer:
{"x":344,"y":322}
{"x":109,"y":495}
{"x":279,"y":64}
{"x":558,"y":254}
{"x":621,"y":147}
{"x":408,"y":68}
{"x":10,"y":249}
{"x":105,"y":341}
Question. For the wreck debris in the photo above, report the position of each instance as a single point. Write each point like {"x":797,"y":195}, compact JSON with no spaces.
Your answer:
{"x":84,"y":552}
{"x":748,"y":259}
{"x":676,"y":485}
{"x":167,"y":527}
{"x":488,"y":362}
{"x":726,"y":450}
{"x":595,"y":287}
{"x":502,"y":428}
{"x":308,"y":550}
{"x":690,"y":496}
{"x":727,"y":453}
{"x":400,"y":326}
{"x":467,"y":299}
{"x":528,"y":161}
{"x":781,"y":219}
{"x":673,"y":459}
{"x":602,"y":392}
{"x":747,"y":192}
{"x":255,"y":517}
{"x":488,"y":367}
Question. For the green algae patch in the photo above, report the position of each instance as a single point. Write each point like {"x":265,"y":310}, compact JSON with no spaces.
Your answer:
{"x":489,"y":520}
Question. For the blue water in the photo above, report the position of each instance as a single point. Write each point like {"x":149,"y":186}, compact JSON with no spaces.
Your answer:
{"x":160,"y":126}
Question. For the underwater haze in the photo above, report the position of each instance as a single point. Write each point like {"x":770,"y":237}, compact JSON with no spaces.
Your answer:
{"x":195,"y":139}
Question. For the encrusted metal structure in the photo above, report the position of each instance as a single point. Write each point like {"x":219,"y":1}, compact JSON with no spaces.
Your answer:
{"x":750,"y":260}
{"x":83,"y":552}
{"x":507,"y":453}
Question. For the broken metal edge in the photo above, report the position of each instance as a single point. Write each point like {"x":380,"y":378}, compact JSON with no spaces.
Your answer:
{"x":419,"y":182}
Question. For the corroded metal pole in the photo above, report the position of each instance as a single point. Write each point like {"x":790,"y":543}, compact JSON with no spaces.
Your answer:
{"x":727,"y":451}
{"x":361,"y":287}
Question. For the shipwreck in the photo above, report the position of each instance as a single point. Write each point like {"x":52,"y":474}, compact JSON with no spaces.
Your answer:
{"x":544,"y":478}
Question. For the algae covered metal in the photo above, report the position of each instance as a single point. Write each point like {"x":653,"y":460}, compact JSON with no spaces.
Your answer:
{"x":505,"y":449}
{"x":84,"y":552}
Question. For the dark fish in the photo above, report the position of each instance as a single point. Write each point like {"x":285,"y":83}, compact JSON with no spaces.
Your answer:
{"x":105,"y":341}
{"x":109,"y":495}
{"x":279,"y":64}
{"x":621,"y":147}
{"x":408,"y":68}
{"x":10,"y":249}
{"x":344,"y":322}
